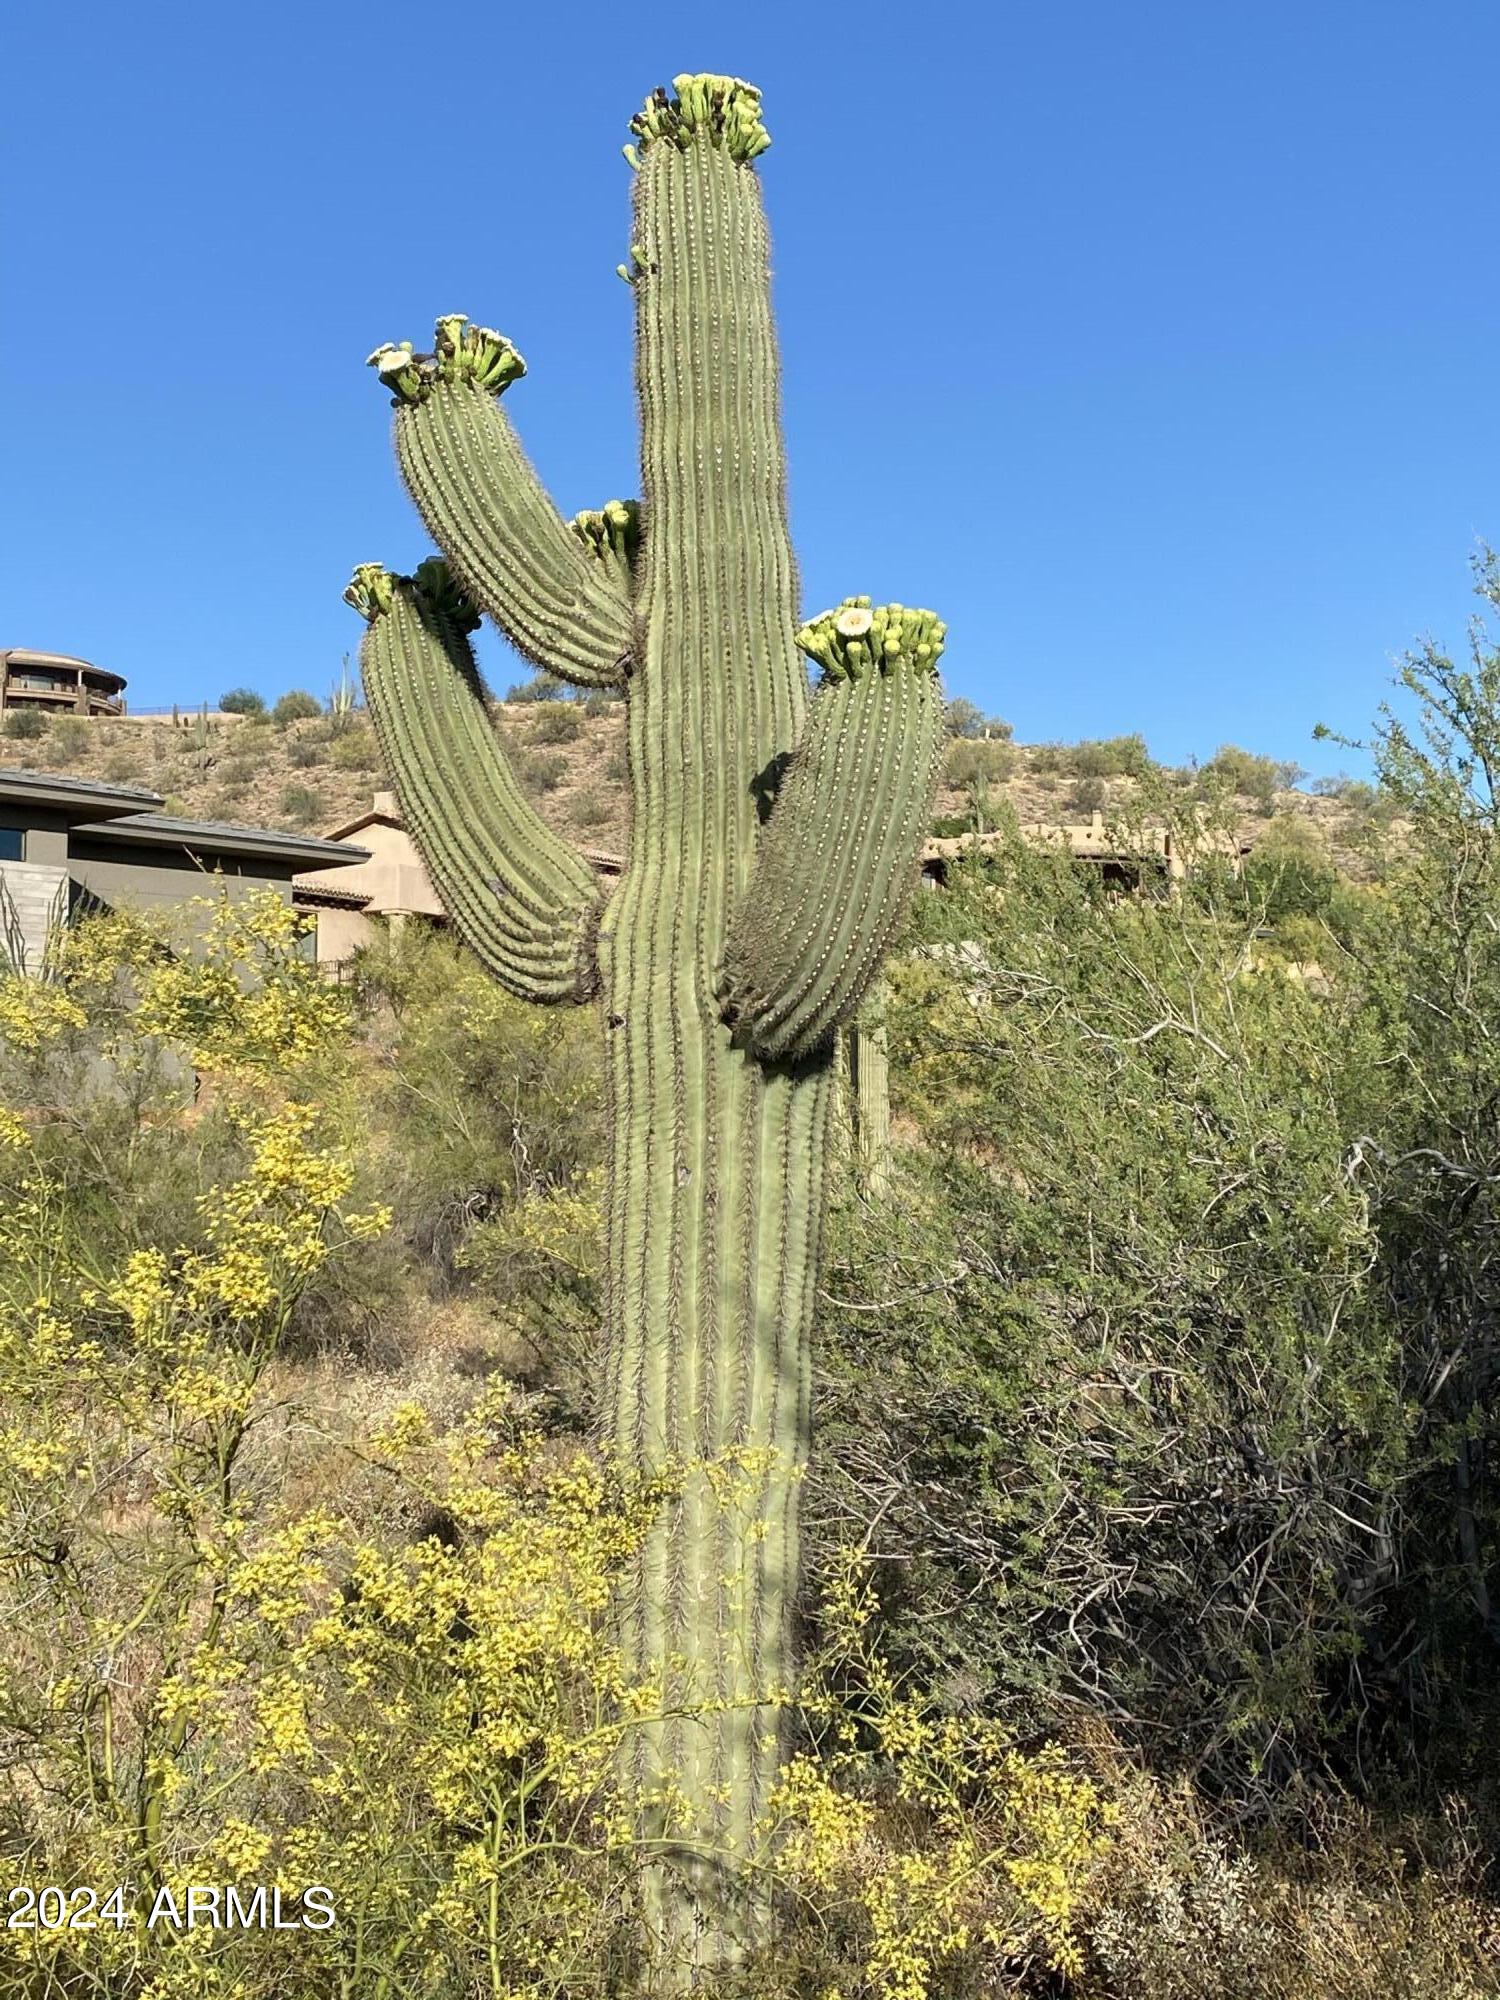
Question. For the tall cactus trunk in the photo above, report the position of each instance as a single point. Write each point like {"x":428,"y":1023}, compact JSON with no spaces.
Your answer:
{"x":716,"y":1166}
{"x":772,"y":851}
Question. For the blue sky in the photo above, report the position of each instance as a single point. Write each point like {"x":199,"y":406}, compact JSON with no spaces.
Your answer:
{"x":1152,"y":345}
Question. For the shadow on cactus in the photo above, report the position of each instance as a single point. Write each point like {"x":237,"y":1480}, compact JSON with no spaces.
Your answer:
{"x":773,"y":848}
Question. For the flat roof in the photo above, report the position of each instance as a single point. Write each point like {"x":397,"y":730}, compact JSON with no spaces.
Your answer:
{"x":80,"y":797}
{"x":217,"y":837}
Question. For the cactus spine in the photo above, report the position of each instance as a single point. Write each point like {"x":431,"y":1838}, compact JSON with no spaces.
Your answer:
{"x":730,"y":952}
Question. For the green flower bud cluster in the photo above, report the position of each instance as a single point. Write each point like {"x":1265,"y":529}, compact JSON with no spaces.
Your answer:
{"x":475,"y":354}
{"x":724,"y":107}
{"x":372,"y":591}
{"x":849,"y":641}
{"x":613,"y":530}
{"x":408,"y":376}
{"x":464,"y":353}
{"x":637,"y":266}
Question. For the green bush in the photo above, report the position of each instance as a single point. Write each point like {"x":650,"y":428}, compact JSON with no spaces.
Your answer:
{"x":69,"y":739}
{"x":588,"y":809}
{"x":241,"y":701}
{"x":556,"y":722}
{"x":962,"y":718}
{"x":295,"y":706}
{"x":299,"y":805}
{"x":241,"y":769}
{"x":25,"y":725}
{"x":1088,"y":796}
{"x":1109,"y":757}
{"x":125,"y":763}
{"x":1128,"y":1244}
{"x":541,"y":687}
{"x":545,"y":771}
{"x":306,"y":752}
{"x":1249,"y":776}
{"x":356,"y":749}
{"x":617,"y":765}
{"x":1288,"y":874}
{"x":970,"y":759}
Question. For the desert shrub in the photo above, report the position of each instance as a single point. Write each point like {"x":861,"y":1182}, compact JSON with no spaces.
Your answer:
{"x":24,"y":725}
{"x":1109,"y":757}
{"x":305,"y":753}
{"x":617,"y":765}
{"x":242,"y":701}
{"x":1129,"y":1245}
{"x":967,"y":760}
{"x":125,"y":763}
{"x":237,"y":772}
{"x":601,"y":701}
{"x":355,"y":749}
{"x":962,"y":718}
{"x":295,"y":706}
{"x":1181,"y":1911}
{"x":300,"y":805}
{"x":556,"y":722}
{"x":68,"y":739}
{"x":1288,"y":874}
{"x":588,"y":809}
{"x":496,"y":1103}
{"x":1249,"y":776}
{"x":544,"y":771}
{"x":541,"y":687}
{"x":1088,"y":796}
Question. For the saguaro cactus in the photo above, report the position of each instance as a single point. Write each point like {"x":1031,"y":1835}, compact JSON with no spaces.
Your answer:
{"x":772,"y":849}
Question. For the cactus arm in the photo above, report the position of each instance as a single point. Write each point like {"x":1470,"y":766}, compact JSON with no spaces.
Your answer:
{"x":837,"y":861}
{"x":560,"y":605}
{"x":520,"y":897}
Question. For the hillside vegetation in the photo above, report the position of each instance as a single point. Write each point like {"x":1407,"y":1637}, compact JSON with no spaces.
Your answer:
{"x":312,"y":772}
{"x":1154,"y":1535}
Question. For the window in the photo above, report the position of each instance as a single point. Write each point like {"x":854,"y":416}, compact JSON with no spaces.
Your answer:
{"x":12,"y":841}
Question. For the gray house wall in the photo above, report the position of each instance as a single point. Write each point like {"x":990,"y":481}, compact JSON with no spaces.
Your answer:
{"x":45,"y":833}
{"x":159,"y":878}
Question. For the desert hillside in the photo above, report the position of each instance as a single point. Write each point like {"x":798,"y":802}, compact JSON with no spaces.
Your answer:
{"x":314,"y":773}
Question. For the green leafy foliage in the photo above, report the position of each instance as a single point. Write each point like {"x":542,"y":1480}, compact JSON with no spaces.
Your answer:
{"x":242,"y":701}
{"x":556,"y":722}
{"x":295,"y":706}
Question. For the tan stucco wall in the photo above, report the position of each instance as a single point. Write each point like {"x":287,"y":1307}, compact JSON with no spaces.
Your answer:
{"x":340,"y":933}
{"x":393,"y":878}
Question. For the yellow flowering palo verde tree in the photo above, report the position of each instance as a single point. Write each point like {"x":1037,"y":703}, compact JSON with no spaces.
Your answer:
{"x":772,"y":851}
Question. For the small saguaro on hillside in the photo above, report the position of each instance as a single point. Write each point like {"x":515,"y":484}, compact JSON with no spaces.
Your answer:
{"x":773,"y":846}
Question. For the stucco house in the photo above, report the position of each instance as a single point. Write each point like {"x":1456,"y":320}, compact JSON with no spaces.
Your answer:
{"x":66,"y":841}
{"x":58,"y":683}
{"x":382,"y":880}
